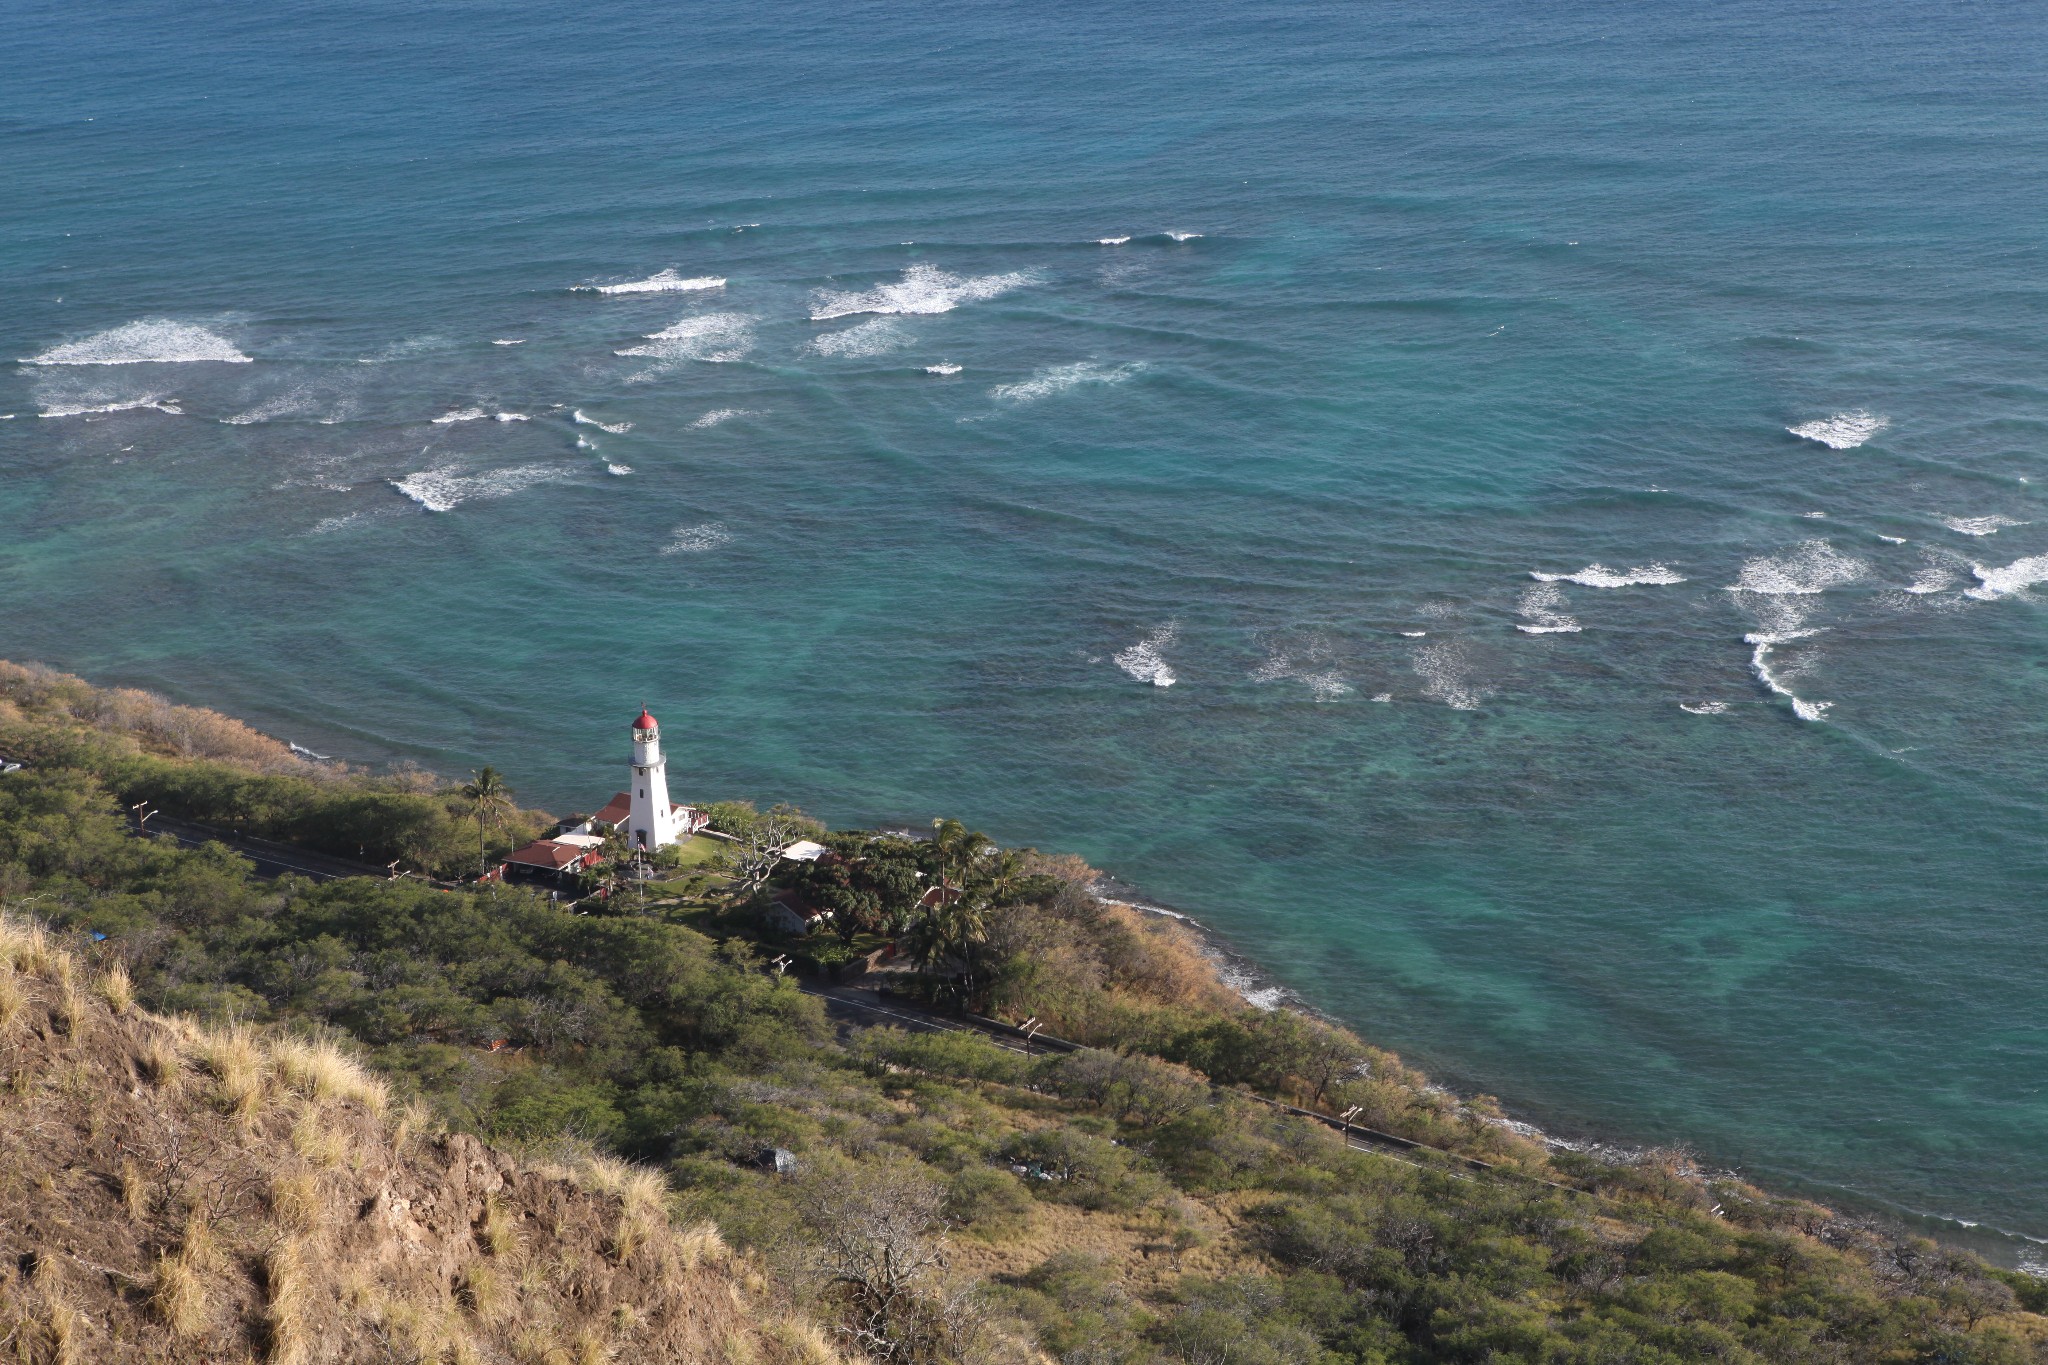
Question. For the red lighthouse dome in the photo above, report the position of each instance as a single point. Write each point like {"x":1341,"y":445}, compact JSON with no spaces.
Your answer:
{"x":646,"y":722}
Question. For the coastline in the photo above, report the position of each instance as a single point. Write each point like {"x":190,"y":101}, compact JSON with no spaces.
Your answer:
{"x":1237,"y":972}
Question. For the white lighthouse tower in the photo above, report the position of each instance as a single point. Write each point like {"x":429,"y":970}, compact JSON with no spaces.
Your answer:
{"x":651,"y":822}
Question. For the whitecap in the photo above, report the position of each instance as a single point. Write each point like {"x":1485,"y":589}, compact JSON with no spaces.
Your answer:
{"x":1180,"y":236}
{"x":1413,"y":634}
{"x":923,"y":289}
{"x":1704,"y":708}
{"x":583,"y":419}
{"x":460,"y":415}
{"x":2015,"y":577}
{"x":582,"y":444}
{"x":1112,"y":241}
{"x":510,"y":417}
{"x":151,"y":341}
{"x":1308,"y":665}
{"x":1543,"y":606}
{"x":876,"y":336}
{"x":446,"y":488}
{"x":1893,"y":540}
{"x":330,"y":524}
{"x":1446,"y":676}
{"x":1844,"y":430}
{"x":1144,"y":660}
{"x":1762,"y":643}
{"x":1383,"y":696}
{"x":718,"y":415}
{"x":153,"y":402}
{"x":509,"y":341}
{"x":1814,"y":516}
{"x":621,"y":470}
{"x":689,"y":540}
{"x":303,"y":752}
{"x":1060,"y":378}
{"x":669,"y":281}
{"x":1600,"y":576}
{"x":1978,"y":526}
{"x":303,"y":401}
{"x":716,"y":337}
{"x":1812,"y":567}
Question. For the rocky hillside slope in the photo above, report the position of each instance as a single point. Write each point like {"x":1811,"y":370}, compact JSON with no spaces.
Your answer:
{"x":177,"y":1194}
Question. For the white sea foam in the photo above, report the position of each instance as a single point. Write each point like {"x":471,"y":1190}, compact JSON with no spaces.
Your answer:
{"x":303,"y":752}
{"x":446,"y":488}
{"x":1309,"y":665}
{"x":582,"y":444}
{"x":1180,"y":236}
{"x":1544,"y":608}
{"x":1812,"y":567}
{"x":1447,"y":676}
{"x":510,"y":417}
{"x":669,"y":281}
{"x":1978,"y":526}
{"x":1112,"y":241}
{"x":304,"y":400}
{"x":460,"y":415}
{"x":509,"y":341}
{"x":1704,"y":708}
{"x":621,"y":470}
{"x":1843,"y":431}
{"x":89,"y":408}
{"x":2015,"y":577}
{"x":1145,"y":661}
{"x":1060,"y":378}
{"x":1762,"y":643}
{"x":1600,"y":576}
{"x":923,"y":289}
{"x":151,"y":341}
{"x":1383,"y":696}
{"x":718,"y":415}
{"x":690,"y":540}
{"x":717,"y":337}
{"x":1413,"y":634}
{"x":1893,"y":540}
{"x":330,"y":524}
{"x":876,"y":336}
{"x":583,"y":419}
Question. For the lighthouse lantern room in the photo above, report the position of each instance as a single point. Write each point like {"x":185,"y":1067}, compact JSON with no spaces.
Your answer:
{"x":651,"y":821}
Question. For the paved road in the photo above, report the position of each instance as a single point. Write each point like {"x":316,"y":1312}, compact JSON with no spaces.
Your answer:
{"x":272,"y":860}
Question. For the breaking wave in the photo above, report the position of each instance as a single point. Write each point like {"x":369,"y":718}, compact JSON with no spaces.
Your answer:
{"x":1812,"y":567}
{"x":2015,"y":577}
{"x":446,"y":488}
{"x":583,"y":419}
{"x":151,"y":341}
{"x":1060,"y":378}
{"x":717,"y":337}
{"x":1843,"y":431}
{"x":1760,"y":664}
{"x":1600,"y":576}
{"x":689,"y":540}
{"x":1543,"y":607}
{"x":620,"y":470}
{"x":1112,"y":241}
{"x":1978,"y":526}
{"x":1310,"y":666}
{"x":923,"y":289}
{"x":1704,"y":708}
{"x":88,"y":408}
{"x":1447,"y":676}
{"x":666,"y":282}
{"x":877,"y":336}
{"x":717,"y":415}
{"x":1144,"y":660}
{"x":943,"y":367}
{"x":1180,"y":236}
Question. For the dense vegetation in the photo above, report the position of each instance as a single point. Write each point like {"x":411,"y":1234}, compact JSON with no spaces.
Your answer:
{"x":954,"y":1200}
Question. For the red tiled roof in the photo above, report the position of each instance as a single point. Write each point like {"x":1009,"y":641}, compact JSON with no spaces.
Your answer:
{"x":548,"y":854}
{"x":615,"y":811}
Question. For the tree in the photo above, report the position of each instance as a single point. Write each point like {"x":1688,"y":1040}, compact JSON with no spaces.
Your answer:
{"x":878,"y":1244}
{"x":757,"y":845}
{"x":490,"y":800}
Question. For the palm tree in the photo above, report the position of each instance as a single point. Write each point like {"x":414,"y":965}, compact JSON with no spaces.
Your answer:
{"x":491,"y":800}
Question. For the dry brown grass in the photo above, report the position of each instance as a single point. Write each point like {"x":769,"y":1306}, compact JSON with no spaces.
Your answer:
{"x":235,"y":1061}
{"x":117,"y":989}
{"x":319,"y":1140}
{"x":11,"y":1000}
{"x":135,"y":1189}
{"x":285,"y":1302}
{"x":178,"y":1293}
{"x":160,"y":1061}
{"x":501,"y":1234}
{"x":296,"y":1202}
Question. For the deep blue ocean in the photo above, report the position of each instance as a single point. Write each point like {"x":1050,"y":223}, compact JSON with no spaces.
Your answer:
{"x":1520,"y":518}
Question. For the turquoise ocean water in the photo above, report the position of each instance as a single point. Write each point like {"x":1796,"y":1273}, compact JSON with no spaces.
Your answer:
{"x":1403,"y":305}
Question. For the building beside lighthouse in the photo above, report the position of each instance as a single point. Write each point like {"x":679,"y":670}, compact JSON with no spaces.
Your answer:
{"x":643,"y":813}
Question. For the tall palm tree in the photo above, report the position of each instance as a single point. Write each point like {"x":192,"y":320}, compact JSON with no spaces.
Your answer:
{"x":491,"y":800}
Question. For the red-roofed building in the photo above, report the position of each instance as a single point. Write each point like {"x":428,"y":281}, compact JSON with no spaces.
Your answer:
{"x":545,"y":860}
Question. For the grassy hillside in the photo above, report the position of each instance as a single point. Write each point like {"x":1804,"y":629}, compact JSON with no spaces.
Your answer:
{"x":1127,"y":1204}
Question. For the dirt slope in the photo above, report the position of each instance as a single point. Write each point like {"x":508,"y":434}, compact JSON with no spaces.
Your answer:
{"x":170,"y":1193}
